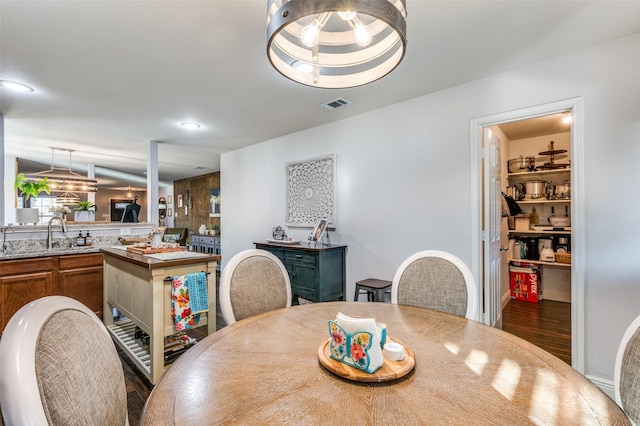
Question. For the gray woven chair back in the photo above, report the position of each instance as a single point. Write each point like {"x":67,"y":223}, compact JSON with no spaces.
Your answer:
{"x":630,"y":378}
{"x":433,"y":283}
{"x":79,"y":373}
{"x":257,"y":286}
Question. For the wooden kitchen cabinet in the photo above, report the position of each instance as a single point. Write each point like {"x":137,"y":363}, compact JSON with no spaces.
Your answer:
{"x":80,"y":277}
{"x":23,"y":281}
{"x":316,"y":274}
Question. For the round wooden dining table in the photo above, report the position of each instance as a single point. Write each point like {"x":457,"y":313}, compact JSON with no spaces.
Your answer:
{"x":266,"y":370}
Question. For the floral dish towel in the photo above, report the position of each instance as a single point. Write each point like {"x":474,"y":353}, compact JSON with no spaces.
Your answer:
{"x":181,"y":307}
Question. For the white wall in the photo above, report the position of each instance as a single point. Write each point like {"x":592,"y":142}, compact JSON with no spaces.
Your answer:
{"x":404,"y":182}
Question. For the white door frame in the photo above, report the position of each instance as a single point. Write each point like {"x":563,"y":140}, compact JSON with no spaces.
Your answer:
{"x":575,"y":105}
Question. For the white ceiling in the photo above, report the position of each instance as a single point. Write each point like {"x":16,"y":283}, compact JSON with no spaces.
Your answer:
{"x":109,"y":76}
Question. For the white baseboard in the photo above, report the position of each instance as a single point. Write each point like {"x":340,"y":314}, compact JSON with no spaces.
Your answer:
{"x":605,"y":385}
{"x":559,"y":296}
{"x":505,"y":298}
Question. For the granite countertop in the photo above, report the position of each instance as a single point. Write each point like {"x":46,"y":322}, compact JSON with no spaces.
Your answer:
{"x":56,"y":251}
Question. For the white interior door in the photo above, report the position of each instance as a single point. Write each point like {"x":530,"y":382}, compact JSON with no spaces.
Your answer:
{"x":491,"y":224}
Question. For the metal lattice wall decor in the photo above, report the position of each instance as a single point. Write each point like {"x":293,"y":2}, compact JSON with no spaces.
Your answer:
{"x":311,"y":192}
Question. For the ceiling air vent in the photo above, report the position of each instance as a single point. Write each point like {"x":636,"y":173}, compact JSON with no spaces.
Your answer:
{"x":335,"y":104}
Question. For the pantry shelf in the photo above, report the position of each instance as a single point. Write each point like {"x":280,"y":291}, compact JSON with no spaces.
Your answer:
{"x":540,"y":262}
{"x":544,"y":201}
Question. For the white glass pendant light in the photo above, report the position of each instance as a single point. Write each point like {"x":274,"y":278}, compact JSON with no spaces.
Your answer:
{"x":336,"y":43}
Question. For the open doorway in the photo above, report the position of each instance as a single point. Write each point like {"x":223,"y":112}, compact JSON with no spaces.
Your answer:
{"x":536,"y":230}
{"x":486,"y":253}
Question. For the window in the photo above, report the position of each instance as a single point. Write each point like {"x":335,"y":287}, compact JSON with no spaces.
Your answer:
{"x":43,"y":204}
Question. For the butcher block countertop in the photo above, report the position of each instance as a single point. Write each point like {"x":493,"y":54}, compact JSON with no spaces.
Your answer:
{"x":149,"y":262}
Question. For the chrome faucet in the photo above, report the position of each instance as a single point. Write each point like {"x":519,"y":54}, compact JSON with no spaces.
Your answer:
{"x":49,"y":231}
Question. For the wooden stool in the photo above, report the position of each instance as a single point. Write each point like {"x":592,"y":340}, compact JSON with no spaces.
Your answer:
{"x":374,"y":287}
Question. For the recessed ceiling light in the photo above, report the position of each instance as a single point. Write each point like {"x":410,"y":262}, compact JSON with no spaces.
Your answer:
{"x":14,"y":85}
{"x":190,"y":125}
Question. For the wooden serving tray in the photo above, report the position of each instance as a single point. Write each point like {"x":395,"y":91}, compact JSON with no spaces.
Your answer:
{"x":149,"y":250}
{"x":390,"y":370}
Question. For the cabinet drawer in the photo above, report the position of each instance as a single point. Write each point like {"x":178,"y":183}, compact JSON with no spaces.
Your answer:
{"x":209,"y":240}
{"x":80,"y":260}
{"x":25,"y":266}
{"x":277,"y":252}
{"x":300,"y":256}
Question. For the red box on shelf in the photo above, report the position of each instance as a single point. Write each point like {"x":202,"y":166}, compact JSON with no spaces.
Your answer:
{"x":525,"y":284}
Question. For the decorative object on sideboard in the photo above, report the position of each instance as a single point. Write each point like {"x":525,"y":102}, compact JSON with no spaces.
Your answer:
{"x":278,"y":233}
{"x":318,"y":232}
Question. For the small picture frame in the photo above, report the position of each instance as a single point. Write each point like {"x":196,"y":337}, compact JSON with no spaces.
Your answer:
{"x":319,"y":230}
{"x":179,"y":200}
{"x":169,"y":212}
{"x":169,"y":199}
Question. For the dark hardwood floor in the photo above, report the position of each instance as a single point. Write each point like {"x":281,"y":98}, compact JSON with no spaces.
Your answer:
{"x":546,"y":324}
{"x":139,"y":387}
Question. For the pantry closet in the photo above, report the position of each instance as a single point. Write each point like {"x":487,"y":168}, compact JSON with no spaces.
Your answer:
{"x":536,"y":155}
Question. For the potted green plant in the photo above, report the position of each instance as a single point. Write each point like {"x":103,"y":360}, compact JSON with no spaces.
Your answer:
{"x":29,"y":188}
{"x":85,"y":211}
{"x":213,"y":229}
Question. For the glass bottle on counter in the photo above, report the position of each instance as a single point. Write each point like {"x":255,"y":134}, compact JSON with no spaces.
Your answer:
{"x":80,"y":239}
{"x":88,"y":240}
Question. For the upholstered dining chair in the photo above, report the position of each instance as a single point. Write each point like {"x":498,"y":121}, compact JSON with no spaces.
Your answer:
{"x":626,"y":374}
{"x":436,"y":280}
{"x":253,"y":281}
{"x":58,"y":365}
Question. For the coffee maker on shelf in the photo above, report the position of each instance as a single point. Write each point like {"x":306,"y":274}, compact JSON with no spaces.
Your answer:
{"x":532,"y":248}
{"x":562,"y":243}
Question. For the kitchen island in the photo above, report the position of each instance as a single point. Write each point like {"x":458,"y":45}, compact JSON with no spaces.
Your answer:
{"x":139,"y":287}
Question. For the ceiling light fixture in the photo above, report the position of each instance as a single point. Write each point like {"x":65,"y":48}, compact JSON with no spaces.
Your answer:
{"x":15,"y":86}
{"x":346,"y":43}
{"x":67,"y":181}
{"x":190,"y":125}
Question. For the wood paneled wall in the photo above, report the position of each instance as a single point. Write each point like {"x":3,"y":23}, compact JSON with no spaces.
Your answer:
{"x":195,"y":194}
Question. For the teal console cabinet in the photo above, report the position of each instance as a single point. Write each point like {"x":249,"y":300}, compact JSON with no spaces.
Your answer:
{"x":317,"y":274}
